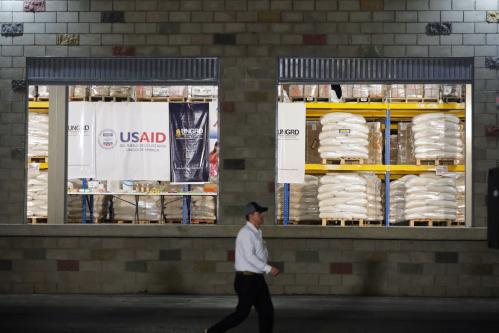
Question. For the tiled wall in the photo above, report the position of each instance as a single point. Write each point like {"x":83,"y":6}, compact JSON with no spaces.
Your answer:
{"x":205,"y":266}
{"x":248,"y":35}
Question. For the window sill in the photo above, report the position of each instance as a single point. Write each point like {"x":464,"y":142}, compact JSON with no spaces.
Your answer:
{"x":230,"y":231}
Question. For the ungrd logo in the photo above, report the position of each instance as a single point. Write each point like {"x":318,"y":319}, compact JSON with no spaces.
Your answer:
{"x":288,"y":131}
{"x":107,"y":139}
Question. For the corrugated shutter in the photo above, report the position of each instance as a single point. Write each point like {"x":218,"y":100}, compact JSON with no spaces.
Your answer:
{"x":131,"y":70}
{"x":382,"y":70}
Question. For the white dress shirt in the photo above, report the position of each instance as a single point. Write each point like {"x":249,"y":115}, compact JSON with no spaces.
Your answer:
{"x":251,"y":252}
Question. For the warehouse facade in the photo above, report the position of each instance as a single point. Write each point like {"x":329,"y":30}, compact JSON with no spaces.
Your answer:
{"x":247,"y":37}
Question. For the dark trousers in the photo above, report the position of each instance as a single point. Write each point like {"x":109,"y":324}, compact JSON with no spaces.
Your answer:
{"x":251,"y":290}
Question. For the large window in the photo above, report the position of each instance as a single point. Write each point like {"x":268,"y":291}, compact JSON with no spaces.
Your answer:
{"x":135,"y":154}
{"x":369,"y":154}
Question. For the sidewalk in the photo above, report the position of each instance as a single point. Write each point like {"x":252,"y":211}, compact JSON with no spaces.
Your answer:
{"x":146,"y":313}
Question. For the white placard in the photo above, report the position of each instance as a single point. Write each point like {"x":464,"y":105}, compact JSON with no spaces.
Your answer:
{"x":132,"y":141}
{"x":291,"y":142}
{"x":81,"y":140}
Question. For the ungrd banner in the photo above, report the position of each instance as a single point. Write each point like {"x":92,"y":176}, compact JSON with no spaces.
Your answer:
{"x":189,"y":142}
{"x":132,"y":141}
{"x":291,"y":142}
{"x":81,"y":140}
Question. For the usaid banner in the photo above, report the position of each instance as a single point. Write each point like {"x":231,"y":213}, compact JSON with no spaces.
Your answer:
{"x":291,"y":143}
{"x":189,"y":142}
{"x":132,"y":141}
{"x":81,"y":140}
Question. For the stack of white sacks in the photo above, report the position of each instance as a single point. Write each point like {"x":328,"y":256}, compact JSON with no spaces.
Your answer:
{"x":398,"y":199}
{"x":437,"y":135}
{"x":343,"y":135}
{"x":343,"y":196}
{"x":429,"y":196}
{"x":303,"y":202}
{"x":37,"y":191}
{"x":38,"y":134}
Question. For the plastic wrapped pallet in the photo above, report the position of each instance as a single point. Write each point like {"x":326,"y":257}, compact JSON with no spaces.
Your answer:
{"x":42,"y":92}
{"x":160,"y":91}
{"x":310,"y":91}
{"x":143,"y":92}
{"x":343,"y":135}
{"x":343,"y":196}
{"x":429,"y":196}
{"x":393,"y":149}
{"x":375,"y":91}
{"x":313,"y":130}
{"x":432,"y":91}
{"x":347,"y":90}
{"x":37,"y":191}
{"x":119,"y":91}
{"x":460,"y":197}
{"x":295,"y":91}
{"x":452,"y":91}
{"x":303,"y":202}
{"x":414,"y":91}
{"x":437,"y":135}
{"x":149,"y":208}
{"x":38,"y":134}
{"x":173,"y":208}
{"x":99,"y":91}
{"x":324,"y":91}
{"x":360,"y":91}
{"x":78,"y":92}
{"x":31,"y":92}
{"x":374,"y":197}
{"x":202,"y":207}
{"x":74,"y":203}
{"x":203,"y":91}
{"x":398,"y":199}
{"x":397,"y":91}
{"x":177,"y":91}
{"x":375,"y":139}
{"x":405,"y":143}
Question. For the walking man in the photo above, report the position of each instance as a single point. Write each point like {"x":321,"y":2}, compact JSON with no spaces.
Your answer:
{"x":251,"y":264}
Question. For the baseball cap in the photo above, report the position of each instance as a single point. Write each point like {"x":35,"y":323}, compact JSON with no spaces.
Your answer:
{"x":252,"y":207}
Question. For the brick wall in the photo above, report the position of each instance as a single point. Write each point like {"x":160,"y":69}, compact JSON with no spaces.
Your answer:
{"x":248,"y":35}
{"x":205,"y":266}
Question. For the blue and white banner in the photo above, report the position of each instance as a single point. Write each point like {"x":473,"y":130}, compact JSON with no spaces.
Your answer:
{"x":81,"y":140}
{"x":291,"y":142}
{"x":132,"y":141}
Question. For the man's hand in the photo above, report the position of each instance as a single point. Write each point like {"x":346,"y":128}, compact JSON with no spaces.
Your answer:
{"x":274,"y":271}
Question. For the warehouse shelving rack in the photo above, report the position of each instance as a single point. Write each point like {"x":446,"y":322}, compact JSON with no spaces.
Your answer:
{"x":387,"y":112}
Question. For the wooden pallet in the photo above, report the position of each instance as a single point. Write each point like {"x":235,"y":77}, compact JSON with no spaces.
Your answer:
{"x":37,"y":219}
{"x":110,"y":99}
{"x":341,"y":161}
{"x":38,"y":159}
{"x":78,"y":99}
{"x":173,"y":221}
{"x":414,"y":100}
{"x":343,"y":222}
{"x":200,"y":99}
{"x":430,"y":223}
{"x":453,"y":99}
{"x":436,"y":161}
{"x":363,"y":99}
{"x":137,"y":222}
{"x":79,"y":221}
{"x":202,"y":221}
{"x":301,"y":222}
{"x":41,"y":99}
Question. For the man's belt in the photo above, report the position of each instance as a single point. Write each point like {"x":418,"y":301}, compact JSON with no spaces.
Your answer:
{"x":247,"y":273}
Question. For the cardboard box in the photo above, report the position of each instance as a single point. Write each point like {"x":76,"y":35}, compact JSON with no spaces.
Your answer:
{"x":313,"y":130}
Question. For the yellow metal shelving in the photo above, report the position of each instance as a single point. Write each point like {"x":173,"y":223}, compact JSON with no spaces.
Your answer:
{"x":396,"y":171}
{"x":40,"y":107}
{"x":378,"y":110}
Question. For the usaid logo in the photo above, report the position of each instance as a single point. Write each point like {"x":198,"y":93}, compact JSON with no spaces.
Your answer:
{"x":107,"y":139}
